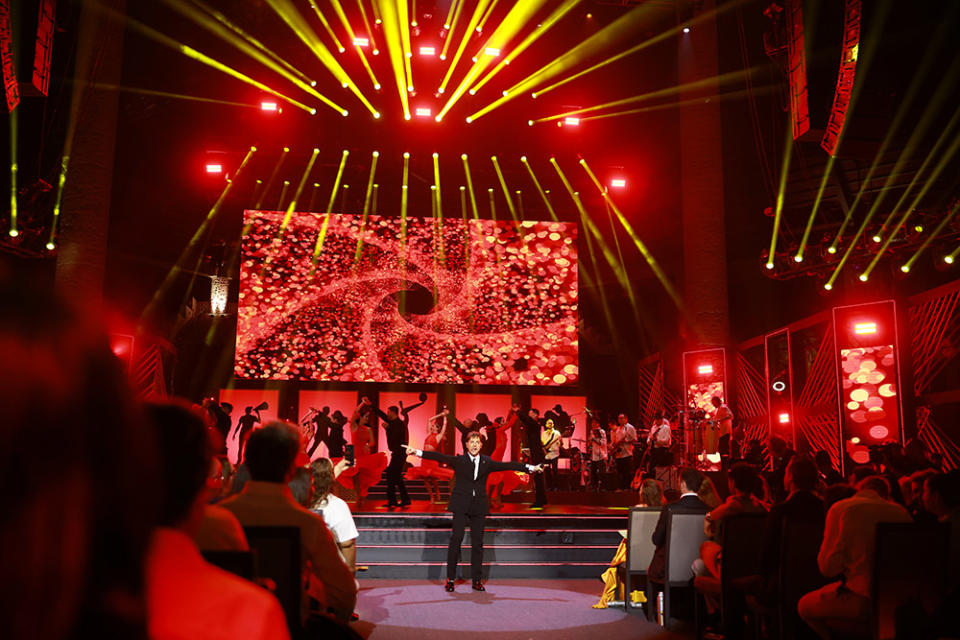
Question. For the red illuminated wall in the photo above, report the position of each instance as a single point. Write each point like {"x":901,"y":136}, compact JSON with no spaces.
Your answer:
{"x":344,"y":401}
{"x":495,"y":405}
{"x":242,"y":398}
{"x":869,"y":380}
{"x":486,"y":302}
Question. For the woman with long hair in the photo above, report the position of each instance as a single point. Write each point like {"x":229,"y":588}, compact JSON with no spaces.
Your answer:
{"x":430,"y":470}
{"x":368,"y":466}
{"x":708,"y":493}
{"x":334,"y":511}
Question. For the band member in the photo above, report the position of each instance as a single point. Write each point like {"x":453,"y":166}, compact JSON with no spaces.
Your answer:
{"x":623,"y":440}
{"x":719,"y":425}
{"x":244,"y":427}
{"x":598,"y":452}
{"x":468,"y":502}
{"x":659,"y":441}
{"x":531,"y":434}
{"x":398,"y":436}
{"x":550,"y":440}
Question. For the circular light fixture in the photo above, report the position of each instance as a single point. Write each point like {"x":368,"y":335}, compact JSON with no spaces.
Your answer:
{"x":779,"y":386}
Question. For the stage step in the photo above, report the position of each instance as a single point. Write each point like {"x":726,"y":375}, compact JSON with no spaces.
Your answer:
{"x":413,"y":545}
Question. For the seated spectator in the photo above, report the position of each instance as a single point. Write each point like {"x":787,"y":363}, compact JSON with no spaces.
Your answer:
{"x":691,"y":481}
{"x":301,"y":486}
{"x":708,"y":494}
{"x":186,"y":596}
{"x":835,"y":493}
{"x":801,"y":505}
{"x":266,"y":501}
{"x":77,"y":473}
{"x":780,"y":455}
{"x":219,"y":530}
{"x":335,"y":512}
{"x":916,"y":507}
{"x":221,"y":479}
{"x":847,"y":551}
{"x":828,"y":475}
{"x":743,"y":480}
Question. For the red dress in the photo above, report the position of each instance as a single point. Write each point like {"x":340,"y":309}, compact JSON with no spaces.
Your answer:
{"x":431,"y":468}
{"x":369,"y":466}
{"x":510,"y":479}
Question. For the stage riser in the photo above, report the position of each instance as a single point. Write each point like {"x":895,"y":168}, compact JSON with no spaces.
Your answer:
{"x":367,"y":555}
{"x":514,"y":537}
{"x":438,"y":572}
{"x":400,"y":520}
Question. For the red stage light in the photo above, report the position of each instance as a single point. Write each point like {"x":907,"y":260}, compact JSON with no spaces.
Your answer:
{"x":423,"y":112}
{"x":490,"y":51}
{"x":268,"y":106}
{"x":571,"y":121}
{"x":862,"y":328}
{"x":361,"y":42}
{"x":879,"y":432}
{"x":428,"y":51}
{"x":214,"y":167}
{"x":618,"y":183}
{"x":705,"y":369}
{"x":784,"y":418}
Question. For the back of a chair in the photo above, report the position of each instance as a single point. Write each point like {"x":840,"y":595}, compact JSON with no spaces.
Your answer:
{"x":279,"y":559}
{"x":684,"y":537}
{"x":741,"y":544}
{"x":799,"y":573}
{"x":643,"y":520}
{"x":241,"y":563}
{"x":909,"y":568}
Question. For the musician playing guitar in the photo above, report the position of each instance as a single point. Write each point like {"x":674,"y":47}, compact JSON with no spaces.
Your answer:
{"x":719,"y":425}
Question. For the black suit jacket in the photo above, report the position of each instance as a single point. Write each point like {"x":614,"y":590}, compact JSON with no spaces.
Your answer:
{"x":469,"y":495}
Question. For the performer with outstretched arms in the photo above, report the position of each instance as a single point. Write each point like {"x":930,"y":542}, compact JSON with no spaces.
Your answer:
{"x":468,"y":502}
{"x":398,"y":436}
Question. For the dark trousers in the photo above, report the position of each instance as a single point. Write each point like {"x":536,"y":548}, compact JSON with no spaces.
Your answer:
{"x":398,"y":459}
{"x":460,"y":521}
{"x":550,"y":471}
{"x":313,"y":447}
{"x":625,"y":471}
{"x":596,"y":468}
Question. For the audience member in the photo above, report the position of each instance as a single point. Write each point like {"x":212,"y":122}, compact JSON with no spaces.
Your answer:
{"x":835,"y":493}
{"x":916,"y":506}
{"x":335,"y":512}
{"x":780,"y":455}
{"x":828,"y":474}
{"x":651,"y":494}
{"x":742,"y":480}
{"x":847,"y":552}
{"x":691,"y":481}
{"x":219,"y":529}
{"x":79,"y":482}
{"x":708,"y":493}
{"x":301,"y":486}
{"x":801,"y":505}
{"x":221,"y":478}
{"x":266,"y":501}
{"x":941,"y":497}
{"x":186,"y":596}
{"x":241,"y":476}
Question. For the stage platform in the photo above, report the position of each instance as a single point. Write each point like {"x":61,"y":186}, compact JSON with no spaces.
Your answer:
{"x":558,"y":541}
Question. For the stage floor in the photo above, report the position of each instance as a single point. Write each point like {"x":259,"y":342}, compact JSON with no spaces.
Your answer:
{"x":510,"y":609}
{"x":379,"y":507}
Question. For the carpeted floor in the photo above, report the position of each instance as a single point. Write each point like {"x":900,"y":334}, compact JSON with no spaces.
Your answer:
{"x":508,"y":610}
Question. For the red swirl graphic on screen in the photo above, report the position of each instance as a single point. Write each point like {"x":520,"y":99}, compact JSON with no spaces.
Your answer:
{"x":451,"y":301}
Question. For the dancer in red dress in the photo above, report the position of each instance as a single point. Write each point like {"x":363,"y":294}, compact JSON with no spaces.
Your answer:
{"x":369,"y":466}
{"x":430,"y":470}
{"x":501,"y":483}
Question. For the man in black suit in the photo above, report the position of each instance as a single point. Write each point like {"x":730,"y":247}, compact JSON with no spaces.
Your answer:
{"x":689,"y":502}
{"x":468,"y":501}
{"x":531,"y":437}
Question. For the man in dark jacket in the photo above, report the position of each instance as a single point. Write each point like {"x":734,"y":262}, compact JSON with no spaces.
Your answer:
{"x":689,"y":502}
{"x":468,"y":501}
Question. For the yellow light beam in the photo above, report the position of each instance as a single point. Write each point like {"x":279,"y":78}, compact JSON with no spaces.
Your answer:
{"x":51,"y":240}
{"x":413,"y":12}
{"x":404,"y":197}
{"x":167,"y":94}
{"x":451,"y":28}
{"x":366,"y":198}
{"x":781,"y":193}
{"x":283,"y":192}
{"x":336,"y":182}
{"x":606,"y":37}
{"x":941,"y":165}
{"x":486,"y":16}
{"x":648,"y":256}
{"x":519,"y":15}
{"x":926,"y":243}
{"x":504,"y":188}
{"x":536,"y":183}
{"x":469,"y":179}
{"x":519,"y":194}
{"x":723,"y":97}
{"x":453,"y":5}
{"x":13,"y":232}
{"x":366,"y":24}
{"x":404,"y":20}
{"x":436,"y":181}
{"x":392,"y":27}
{"x":660,"y":37}
{"x":177,"y":266}
{"x":273,"y":176}
{"x":253,"y":41}
{"x":338,"y":8}
{"x":290,"y":209}
{"x":471,"y":25}
{"x":313,"y":196}
{"x":299,"y":25}
{"x":303,"y":181}
{"x":493,"y":205}
{"x":532,"y":37}
{"x":326,"y":25}
{"x":190,"y":52}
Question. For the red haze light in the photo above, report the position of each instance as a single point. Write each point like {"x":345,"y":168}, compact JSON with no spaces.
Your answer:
{"x":571,"y":121}
{"x":705,"y":369}
{"x":862,"y":328}
{"x":491,"y":51}
{"x":423,"y":112}
{"x":361,"y":42}
{"x":214,"y":167}
{"x":618,"y":183}
{"x":267,"y":105}
{"x":428,"y":51}
{"x":784,"y":418}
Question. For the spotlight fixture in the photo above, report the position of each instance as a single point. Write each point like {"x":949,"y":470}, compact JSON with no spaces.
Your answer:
{"x":863,"y":328}
{"x":705,"y":369}
{"x":618,"y":183}
{"x":214,"y":167}
{"x":571,"y":121}
{"x":361,"y":42}
{"x":784,"y":418}
{"x":686,"y":29}
{"x":423,"y":112}
{"x":491,"y":51}
{"x":428,"y":51}
{"x":268,"y":105}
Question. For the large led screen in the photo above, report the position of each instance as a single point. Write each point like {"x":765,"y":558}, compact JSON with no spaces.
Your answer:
{"x":380,"y":299}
